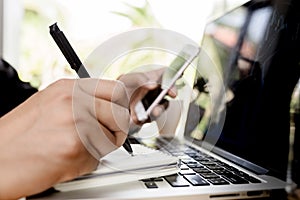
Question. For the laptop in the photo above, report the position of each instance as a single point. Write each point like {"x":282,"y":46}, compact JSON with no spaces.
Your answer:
{"x":239,"y":155}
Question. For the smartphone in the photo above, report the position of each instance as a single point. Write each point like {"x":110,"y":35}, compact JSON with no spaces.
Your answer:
{"x":186,"y":56}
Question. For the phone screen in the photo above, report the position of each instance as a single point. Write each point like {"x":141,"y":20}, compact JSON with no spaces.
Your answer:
{"x":170,"y":76}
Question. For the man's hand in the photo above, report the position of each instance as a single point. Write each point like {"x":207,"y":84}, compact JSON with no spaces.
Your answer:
{"x":138,"y":86}
{"x":60,"y":133}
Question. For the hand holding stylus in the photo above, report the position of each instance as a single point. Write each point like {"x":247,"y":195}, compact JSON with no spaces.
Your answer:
{"x":75,"y":62}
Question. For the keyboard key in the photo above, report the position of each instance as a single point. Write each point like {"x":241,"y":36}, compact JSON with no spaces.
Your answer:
{"x":183,"y":167}
{"x":200,"y":158}
{"x":212,"y":158}
{"x":234,"y":179}
{"x":230,"y":168}
{"x":209,"y":175}
{"x":247,"y":177}
{"x":186,"y":172}
{"x":214,"y":167}
{"x":201,"y":170}
{"x":152,"y":179}
{"x":252,"y":179}
{"x":207,"y":163}
{"x":151,"y":185}
{"x":218,"y":181}
{"x":191,"y":162}
{"x":196,"y":180}
{"x":187,"y":160}
{"x":176,"y":180}
{"x":222,"y":164}
{"x":195,"y":165}
{"x":240,"y":173}
{"x":222,"y":172}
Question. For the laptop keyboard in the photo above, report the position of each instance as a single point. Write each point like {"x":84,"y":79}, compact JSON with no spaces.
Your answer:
{"x":200,"y":169}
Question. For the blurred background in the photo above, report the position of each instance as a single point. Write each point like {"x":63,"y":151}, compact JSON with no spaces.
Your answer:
{"x":25,"y":41}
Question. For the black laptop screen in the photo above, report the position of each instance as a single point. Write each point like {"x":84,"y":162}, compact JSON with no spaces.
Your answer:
{"x":237,"y":45}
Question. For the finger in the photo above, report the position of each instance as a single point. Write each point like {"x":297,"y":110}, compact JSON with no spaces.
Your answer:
{"x":96,"y":138}
{"x":156,"y":74}
{"x":112,"y":116}
{"x":116,"y":139}
{"x":172,"y":92}
{"x":97,"y":121}
{"x":160,"y":108}
{"x":109,"y":90}
{"x":157,"y":111}
{"x":102,"y":141}
{"x":120,"y":138}
{"x":147,"y":80}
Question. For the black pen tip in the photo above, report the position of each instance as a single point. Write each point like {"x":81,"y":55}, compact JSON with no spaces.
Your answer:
{"x":54,"y":27}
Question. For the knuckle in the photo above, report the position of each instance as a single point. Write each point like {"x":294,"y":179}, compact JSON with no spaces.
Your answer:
{"x":61,"y":83}
{"x":119,"y":89}
{"x":63,"y":89}
{"x":119,"y":94}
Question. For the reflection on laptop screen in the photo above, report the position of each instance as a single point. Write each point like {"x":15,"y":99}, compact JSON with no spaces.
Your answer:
{"x":232,"y":44}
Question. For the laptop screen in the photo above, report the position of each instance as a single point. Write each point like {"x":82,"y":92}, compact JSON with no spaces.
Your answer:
{"x":234,"y":44}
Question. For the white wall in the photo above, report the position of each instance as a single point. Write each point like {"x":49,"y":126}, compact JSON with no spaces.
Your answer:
{"x":12,"y":17}
{"x":1,"y":27}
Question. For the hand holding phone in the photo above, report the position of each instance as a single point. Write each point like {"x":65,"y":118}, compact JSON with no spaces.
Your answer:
{"x":145,"y":107}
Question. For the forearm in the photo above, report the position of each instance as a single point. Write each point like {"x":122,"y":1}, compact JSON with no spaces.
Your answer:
{"x":23,"y":169}
{"x":17,"y":122}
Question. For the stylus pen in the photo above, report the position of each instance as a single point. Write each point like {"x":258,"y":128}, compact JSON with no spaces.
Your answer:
{"x":75,"y":62}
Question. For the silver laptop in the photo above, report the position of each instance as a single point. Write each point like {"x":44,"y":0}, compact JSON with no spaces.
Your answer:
{"x":236,"y":162}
